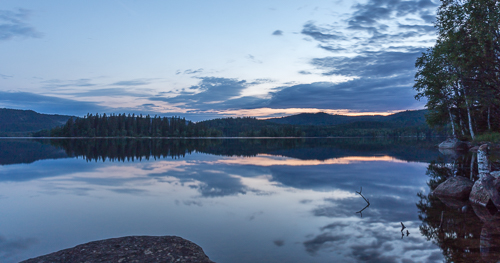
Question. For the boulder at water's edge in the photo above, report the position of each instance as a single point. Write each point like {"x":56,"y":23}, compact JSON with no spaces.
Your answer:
{"x":452,"y":143}
{"x":455,"y":187}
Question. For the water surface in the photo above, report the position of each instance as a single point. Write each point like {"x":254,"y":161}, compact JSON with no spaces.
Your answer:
{"x":276,"y":200}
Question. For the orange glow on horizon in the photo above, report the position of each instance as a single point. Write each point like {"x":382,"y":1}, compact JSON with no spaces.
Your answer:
{"x":271,"y":160}
{"x":266,"y":113}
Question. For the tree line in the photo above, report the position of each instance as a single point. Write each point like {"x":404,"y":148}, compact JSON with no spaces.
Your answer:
{"x":123,"y":125}
{"x":460,"y":75}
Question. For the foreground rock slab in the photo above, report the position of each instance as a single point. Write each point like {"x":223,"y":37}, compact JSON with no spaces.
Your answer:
{"x":130,"y":249}
{"x":455,"y":187}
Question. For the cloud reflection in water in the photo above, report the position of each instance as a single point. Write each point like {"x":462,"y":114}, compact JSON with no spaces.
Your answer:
{"x":304,"y":208}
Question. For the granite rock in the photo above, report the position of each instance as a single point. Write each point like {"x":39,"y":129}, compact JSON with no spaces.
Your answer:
{"x":457,"y":187}
{"x":130,"y":249}
{"x":479,"y":195}
{"x":452,"y":143}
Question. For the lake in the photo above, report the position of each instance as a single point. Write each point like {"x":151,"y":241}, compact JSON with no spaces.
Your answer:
{"x":254,"y":200}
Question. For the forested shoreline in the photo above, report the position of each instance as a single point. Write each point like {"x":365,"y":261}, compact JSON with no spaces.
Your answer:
{"x":123,"y":125}
{"x":132,"y":125}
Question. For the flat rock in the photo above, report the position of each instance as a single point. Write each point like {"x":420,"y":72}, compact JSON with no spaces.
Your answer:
{"x":495,"y":174}
{"x":130,"y":249}
{"x":457,"y":187}
{"x":453,"y":144}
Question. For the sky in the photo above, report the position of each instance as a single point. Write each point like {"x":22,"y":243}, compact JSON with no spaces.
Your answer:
{"x":213,"y":59}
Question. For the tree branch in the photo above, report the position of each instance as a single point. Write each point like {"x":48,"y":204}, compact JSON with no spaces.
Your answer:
{"x":367,"y":202}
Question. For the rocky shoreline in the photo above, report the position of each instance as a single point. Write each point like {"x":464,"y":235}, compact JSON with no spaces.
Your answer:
{"x":480,"y":193}
{"x":140,"y":249}
{"x":455,"y":144}
{"x":484,"y":190}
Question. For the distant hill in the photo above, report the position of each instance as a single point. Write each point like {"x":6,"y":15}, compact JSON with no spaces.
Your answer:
{"x":408,"y":123}
{"x":401,"y":119}
{"x":22,"y":122}
{"x":28,"y":123}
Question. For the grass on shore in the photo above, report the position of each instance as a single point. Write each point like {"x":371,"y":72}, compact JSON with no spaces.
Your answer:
{"x":489,"y":137}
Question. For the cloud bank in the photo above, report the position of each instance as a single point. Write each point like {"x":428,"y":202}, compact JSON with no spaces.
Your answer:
{"x":13,"y":24}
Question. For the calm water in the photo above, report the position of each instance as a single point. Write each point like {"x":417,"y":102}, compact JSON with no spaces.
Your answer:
{"x":240,"y":200}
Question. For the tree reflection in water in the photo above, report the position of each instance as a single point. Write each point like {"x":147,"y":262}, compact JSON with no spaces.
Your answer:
{"x":465,"y":232}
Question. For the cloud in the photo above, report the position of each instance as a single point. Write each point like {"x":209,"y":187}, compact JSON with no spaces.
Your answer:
{"x":383,"y":39}
{"x":130,"y":191}
{"x":369,"y":16}
{"x":370,"y":240}
{"x":37,"y":170}
{"x":360,"y":94}
{"x":253,"y":59}
{"x":312,"y":246}
{"x":191,"y":71}
{"x":137,"y":82}
{"x":57,"y":83}
{"x":371,"y":64}
{"x":5,"y":76}
{"x":321,"y":34}
{"x":210,"y":182}
{"x":375,"y":24}
{"x":420,"y":28}
{"x":12,"y":24}
{"x":214,"y":93}
{"x":149,"y":106}
{"x":48,"y":104}
{"x":110,"y":92}
{"x":332,"y":48}
{"x":277,"y":33}
{"x":389,"y":87}
{"x":279,"y":242}
{"x":378,"y":17}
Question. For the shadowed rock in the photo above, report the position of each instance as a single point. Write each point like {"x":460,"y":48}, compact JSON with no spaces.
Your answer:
{"x":474,"y":149}
{"x":479,"y":195}
{"x":130,"y":249}
{"x":452,"y":202}
{"x":453,"y":144}
{"x":455,"y":187}
{"x":484,"y":214}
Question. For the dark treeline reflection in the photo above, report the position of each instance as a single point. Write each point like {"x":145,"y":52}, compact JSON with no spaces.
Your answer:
{"x":13,"y":151}
{"x":464,"y":231}
{"x":130,"y":149}
{"x":306,"y":149}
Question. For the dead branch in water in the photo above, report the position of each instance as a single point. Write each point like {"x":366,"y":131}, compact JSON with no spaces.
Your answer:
{"x":367,"y":202}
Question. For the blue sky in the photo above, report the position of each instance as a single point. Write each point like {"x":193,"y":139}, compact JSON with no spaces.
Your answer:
{"x":209,"y":59}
